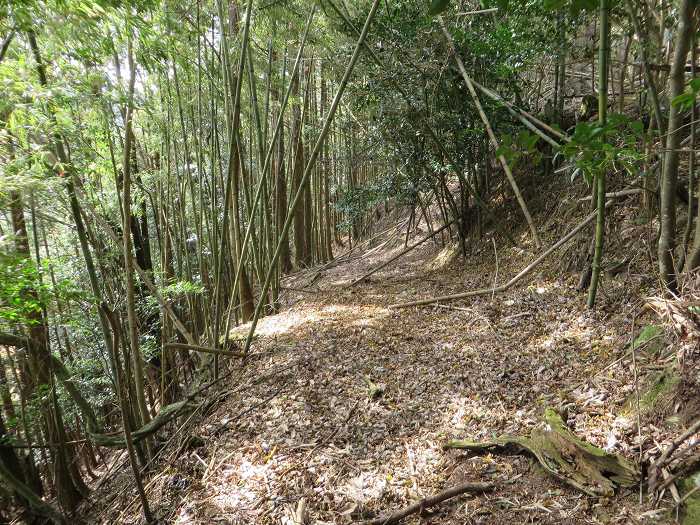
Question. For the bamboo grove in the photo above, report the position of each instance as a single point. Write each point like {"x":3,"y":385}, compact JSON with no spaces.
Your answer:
{"x":166,"y":164}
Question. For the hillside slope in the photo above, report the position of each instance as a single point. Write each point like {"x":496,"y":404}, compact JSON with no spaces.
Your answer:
{"x":342,"y":409}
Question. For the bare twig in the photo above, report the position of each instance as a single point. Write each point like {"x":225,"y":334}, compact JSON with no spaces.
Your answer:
{"x":636,"y":393}
{"x":478,"y":12}
{"x":506,"y":286}
{"x":665,"y":458}
{"x":616,"y":194}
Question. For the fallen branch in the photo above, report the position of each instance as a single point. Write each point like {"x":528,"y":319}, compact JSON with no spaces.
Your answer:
{"x":430,"y":501}
{"x":301,"y":290}
{"x":566,"y":457}
{"x":17,"y":341}
{"x":337,"y":260}
{"x":401,"y":254}
{"x":682,"y":468}
{"x":165,"y":415}
{"x":203,"y":349}
{"x":616,"y":194}
{"x":506,"y":286}
{"x":666,"y":458}
{"x":514,"y":112}
{"x":495,"y":96}
{"x":491,"y":134}
{"x":478,"y":12}
{"x":692,"y":430}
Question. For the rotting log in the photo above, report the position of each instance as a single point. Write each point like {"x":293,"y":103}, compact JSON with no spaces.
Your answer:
{"x":430,"y":501}
{"x":566,"y":457}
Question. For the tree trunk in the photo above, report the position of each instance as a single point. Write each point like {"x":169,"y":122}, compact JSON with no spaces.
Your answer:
{"x":669,"y":177}
{"x":129,"y":272}
{"x":297,"y":144}
{"x":603,"y":58}
{"x":281,"y":198}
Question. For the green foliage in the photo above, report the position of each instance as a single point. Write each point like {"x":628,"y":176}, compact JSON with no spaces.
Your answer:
{"x":598,"y":149}
{"x":22,"y":295}
{"x":686,"y":99}
{"x":181,"y":289}
{"x":23,"y":292}
{"x":523,"y":145}
{"x":574,"y":7}
{"x":353,"y":203}
{"x":648,"y":333}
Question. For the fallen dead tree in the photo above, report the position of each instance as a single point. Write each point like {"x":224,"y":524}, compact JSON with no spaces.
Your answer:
{"x":616,"y":194}
{"x":430,"y":501}
{"x":566,"y":457}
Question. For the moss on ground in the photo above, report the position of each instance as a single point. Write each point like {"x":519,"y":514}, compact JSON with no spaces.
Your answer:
{"x":691,"y":509}
{"x":655,"y":395}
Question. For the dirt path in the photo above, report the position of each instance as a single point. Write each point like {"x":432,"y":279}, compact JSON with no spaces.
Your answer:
{"x":357,"y":400}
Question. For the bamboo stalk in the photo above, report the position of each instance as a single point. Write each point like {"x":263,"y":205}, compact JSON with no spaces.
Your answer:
{"x":312,"y":160}
{"x":492,"y":136}
{"x":600,"y":176}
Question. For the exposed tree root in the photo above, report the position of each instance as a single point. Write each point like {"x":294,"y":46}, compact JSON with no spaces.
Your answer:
{"x":430,"y":501}
{"x":566,"y":457}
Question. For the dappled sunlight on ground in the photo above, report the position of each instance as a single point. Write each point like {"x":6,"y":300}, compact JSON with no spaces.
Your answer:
{"x":289,"y":321}
{"x":345,"y":404}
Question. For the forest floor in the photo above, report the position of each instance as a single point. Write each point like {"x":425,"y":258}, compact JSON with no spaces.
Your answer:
{"x":343,"y":407}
